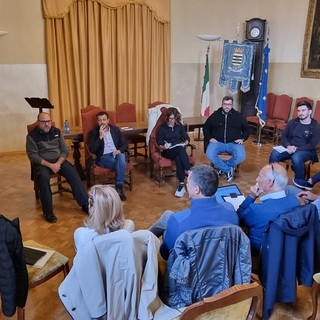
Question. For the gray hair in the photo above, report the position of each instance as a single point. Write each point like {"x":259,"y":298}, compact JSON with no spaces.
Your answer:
{"x":206,"y":178}
{"x":279,"y":175}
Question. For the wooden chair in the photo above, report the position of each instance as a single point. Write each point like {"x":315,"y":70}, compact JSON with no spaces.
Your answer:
{"x":316,"y":113}
{"x":295,"y":111}
{"x":58,"y":263}
{"x":281,"y":126}
{"x":307,"y":167}
{"x":166,"y":166}
{"x":126,"y":112}
{"x":271,"y":100}
{"x":314,"y":295}
{"x":95,"y":173}
{"x":57,"y":180}
{"x":238,"y":302}
{"x":281,"y":114}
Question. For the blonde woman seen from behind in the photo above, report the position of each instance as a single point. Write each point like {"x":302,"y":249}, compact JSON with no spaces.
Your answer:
{"x":105,"y":215}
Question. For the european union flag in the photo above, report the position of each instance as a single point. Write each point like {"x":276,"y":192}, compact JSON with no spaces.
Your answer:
{"x":262,"y":98}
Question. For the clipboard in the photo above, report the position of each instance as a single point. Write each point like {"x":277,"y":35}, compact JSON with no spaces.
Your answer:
{"x":230,"y":193}
{"x":227,"y":191}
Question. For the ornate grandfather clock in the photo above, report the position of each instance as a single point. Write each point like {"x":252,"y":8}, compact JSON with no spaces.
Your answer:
{"x":255,"y":32}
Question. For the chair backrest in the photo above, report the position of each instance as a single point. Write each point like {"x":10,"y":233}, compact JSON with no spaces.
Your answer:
{"x":154,"y":104}
{"x":282,"y":107}
{"x":152,"y":143}
{"x":238,"y":302}
{"x":316,"y":113}
{"x":89,"y":120}
{"x":291,"y":238}
{"x":295,"y":111}
{"x":204,"y":262}
{"x":271,"y":101}
{"x":123,"y":272}
{"x":31,"y":126}
{"x":126,"y":112}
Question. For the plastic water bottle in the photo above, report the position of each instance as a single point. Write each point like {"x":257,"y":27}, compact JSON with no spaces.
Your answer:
{"x":66,"y":127}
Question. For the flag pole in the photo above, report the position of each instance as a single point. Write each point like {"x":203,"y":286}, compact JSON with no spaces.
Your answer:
{"x":207,"y":66}
{"x":261,"y":103}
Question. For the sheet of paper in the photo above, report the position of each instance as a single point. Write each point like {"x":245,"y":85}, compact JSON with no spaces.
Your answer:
{"x":280,"y":149}
{"x":177,"y":145}
{"x":41,"y":262}
{"x":165,"y":312}
{"x":234,"y":201}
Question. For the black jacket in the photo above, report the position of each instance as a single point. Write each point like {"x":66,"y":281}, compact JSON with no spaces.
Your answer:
{"x":13,"y":269}
{"x":290,"y":252}
{"x":226,"y":128}
{"x":96,"y":145}
{"x":311,"y":141}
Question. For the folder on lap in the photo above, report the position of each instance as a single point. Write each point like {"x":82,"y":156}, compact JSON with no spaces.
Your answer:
{"x":230,"y":193}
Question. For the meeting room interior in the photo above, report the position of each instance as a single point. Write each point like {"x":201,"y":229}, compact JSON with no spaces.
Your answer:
{"x":67,"y":55}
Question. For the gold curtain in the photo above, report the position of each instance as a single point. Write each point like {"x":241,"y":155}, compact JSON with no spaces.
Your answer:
{"x":105,"y":52}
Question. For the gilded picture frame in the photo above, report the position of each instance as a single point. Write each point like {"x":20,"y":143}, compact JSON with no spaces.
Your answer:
{"x":310,"y":67}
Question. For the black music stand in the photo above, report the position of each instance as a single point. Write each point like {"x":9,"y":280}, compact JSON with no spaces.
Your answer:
{"x":40,"y":103}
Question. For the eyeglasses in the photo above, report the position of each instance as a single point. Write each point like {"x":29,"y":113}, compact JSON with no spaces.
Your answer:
{"x":44,"y":121}
{"x":272,"y":171}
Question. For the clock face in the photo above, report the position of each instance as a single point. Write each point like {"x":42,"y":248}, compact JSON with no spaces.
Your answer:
{"x":255,"y":32}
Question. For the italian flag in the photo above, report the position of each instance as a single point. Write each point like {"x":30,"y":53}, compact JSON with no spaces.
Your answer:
{"x":205,"y":96}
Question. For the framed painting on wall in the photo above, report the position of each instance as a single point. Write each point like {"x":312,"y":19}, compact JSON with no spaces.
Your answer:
{"x":310,"y":67}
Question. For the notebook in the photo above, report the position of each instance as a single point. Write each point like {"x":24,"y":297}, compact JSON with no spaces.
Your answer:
{"x":33,"y":255}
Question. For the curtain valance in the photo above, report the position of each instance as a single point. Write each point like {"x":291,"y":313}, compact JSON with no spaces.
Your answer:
{"x":58,"y":9}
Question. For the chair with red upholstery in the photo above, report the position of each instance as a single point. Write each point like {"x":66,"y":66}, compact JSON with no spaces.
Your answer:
{"x":95,"y":173}
{"x":301,"y":99}
{"x":166,"y":166}
{"x":126,"y":112}
{"x":316,"y":113}
{"x":55,"y":178}
{"x":281,"y":114}
{"x":271,"y":100}
{"x":280,"y":126}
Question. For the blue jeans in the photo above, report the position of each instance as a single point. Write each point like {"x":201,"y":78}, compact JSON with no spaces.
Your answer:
{"x":237,"y":151}
{"x":117,"y":163}
{"x":297,"y":159}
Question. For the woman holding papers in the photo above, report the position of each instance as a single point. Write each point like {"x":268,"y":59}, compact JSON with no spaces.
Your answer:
{"x":105,"y":215}
{"x":172,"y":139}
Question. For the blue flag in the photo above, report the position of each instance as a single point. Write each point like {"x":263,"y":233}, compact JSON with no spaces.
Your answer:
{"x":262,"y":98}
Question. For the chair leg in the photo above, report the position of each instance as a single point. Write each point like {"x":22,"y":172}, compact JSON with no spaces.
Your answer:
{"x":20,"y":313}
{"x":314,"y":297}
{"x":66,"y":269}
{"x":59,"y":182}
{"x":160,"y":177}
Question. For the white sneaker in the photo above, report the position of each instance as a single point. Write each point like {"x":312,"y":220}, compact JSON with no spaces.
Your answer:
{"x":180,"y":191}
{"x":230,"y":175}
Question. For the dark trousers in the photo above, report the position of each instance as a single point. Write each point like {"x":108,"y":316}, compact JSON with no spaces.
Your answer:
{"x":70,"y":173}
{"x":179,"y":154}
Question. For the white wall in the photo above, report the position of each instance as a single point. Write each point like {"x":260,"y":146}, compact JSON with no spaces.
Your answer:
{"x":23,"y":69}
{"x":286,"y":22}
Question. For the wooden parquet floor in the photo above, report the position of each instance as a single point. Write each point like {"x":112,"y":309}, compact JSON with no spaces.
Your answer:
{"x":144,"y":205}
